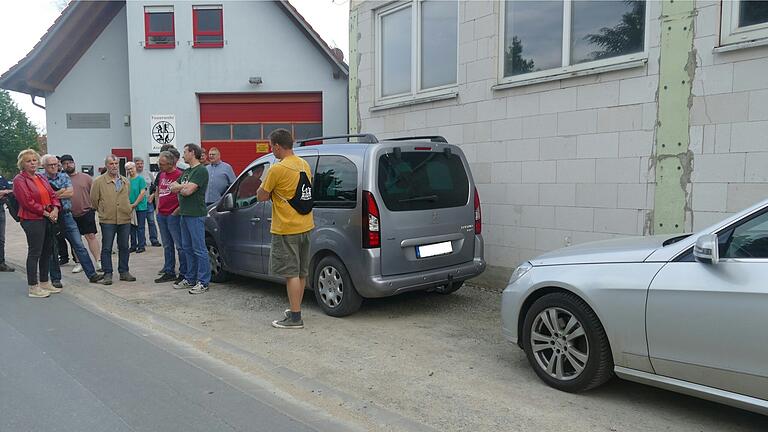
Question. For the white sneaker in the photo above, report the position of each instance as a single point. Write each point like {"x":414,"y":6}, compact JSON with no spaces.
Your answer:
{"x":78,"y":268}
{"x":98,"y":266}
{"x":184,"y":284}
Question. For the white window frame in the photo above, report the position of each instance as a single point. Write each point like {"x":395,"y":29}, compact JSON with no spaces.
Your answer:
{"x":731,"y":33}
{"x":570,"y":70}
{"x":416,"y":93}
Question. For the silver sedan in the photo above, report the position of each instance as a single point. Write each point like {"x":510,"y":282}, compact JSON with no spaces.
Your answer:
{"x":687,"y":313}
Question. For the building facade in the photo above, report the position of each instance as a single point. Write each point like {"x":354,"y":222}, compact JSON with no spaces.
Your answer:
{"x":582,"y":120}
{"x":148,"y":73}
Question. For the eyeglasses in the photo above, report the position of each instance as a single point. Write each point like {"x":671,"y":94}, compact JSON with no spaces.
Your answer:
{"x":52,"y":165}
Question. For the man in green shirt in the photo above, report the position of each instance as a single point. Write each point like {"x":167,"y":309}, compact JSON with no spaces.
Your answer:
{"x":191,"y":188}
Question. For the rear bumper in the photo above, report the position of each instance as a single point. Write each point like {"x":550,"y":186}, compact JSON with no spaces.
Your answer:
{"x":379,"y":286}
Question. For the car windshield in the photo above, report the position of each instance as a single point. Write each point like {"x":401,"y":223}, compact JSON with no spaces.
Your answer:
{"x":422,"y":180}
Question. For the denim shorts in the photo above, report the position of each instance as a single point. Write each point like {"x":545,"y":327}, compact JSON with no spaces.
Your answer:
{"x":289,"y":256}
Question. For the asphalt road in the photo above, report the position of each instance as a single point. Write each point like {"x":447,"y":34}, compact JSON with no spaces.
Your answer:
{"x":63,"y":367}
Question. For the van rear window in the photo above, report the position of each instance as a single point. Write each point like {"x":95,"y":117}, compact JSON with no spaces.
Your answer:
{"x":422,"y":181}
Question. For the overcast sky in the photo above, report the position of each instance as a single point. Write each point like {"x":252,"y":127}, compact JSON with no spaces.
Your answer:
{"x":23,"y":22}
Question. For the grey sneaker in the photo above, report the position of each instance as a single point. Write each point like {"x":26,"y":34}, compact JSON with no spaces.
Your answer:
{"x":199,"y":288}
{"x":127,"y":277}
{"x":182,"y":284}
{"x":288,"y":323}
{"x":107,"y":280}
{"x":6,"y":268}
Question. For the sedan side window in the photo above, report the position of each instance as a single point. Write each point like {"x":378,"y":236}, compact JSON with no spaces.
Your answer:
{"x":247,"y":185}
{"x":747,"y":240}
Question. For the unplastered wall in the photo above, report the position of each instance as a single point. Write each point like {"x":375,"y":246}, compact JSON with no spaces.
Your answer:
{"x":556,"y":163}
{"x":729,"y":123}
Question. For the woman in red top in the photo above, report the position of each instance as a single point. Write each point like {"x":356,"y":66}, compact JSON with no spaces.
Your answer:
{"x":38,"y":210}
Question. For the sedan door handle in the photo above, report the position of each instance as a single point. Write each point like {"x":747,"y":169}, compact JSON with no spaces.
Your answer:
{"x":256,"y":219}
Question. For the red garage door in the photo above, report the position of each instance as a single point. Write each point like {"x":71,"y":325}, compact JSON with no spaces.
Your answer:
{"x":239,"y":124}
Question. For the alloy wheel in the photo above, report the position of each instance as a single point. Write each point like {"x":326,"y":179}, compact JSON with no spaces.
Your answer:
{"x":559,"y":344}
{"x":215,"y":258}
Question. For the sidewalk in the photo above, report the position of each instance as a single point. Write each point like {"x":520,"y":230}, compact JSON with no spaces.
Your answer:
{"x":417,"y":361}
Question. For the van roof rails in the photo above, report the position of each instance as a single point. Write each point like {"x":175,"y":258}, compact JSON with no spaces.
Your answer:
{"x":366,"y":139}
{"x":432,"y":138}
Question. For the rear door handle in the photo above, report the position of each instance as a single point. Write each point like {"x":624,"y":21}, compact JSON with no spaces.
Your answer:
{"x":256,"y":219}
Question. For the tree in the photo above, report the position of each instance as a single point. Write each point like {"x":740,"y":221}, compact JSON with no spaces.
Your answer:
{"x":623,"y":38}
{"x":514,"y":63}
{"x":16,"y":134}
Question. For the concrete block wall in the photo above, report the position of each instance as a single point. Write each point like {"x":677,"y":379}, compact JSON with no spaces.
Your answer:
{"x":556,"y":163}
{"x":729,"y":123}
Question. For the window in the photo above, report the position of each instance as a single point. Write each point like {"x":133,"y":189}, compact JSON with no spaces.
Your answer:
{"x":335,"y":183}
{"x":208,"y":27}
{"x":420,"y":180}
{"x":749,"y":239}
{"x":744,"y":21}
{"x":216,"y":132}
{"x":543,"y":38}
{"x":247,"y":185}
{"x":159,"y":30}
{"x":246,"y":132}
{"x":307,"y":130}
{"x":417,"y":49}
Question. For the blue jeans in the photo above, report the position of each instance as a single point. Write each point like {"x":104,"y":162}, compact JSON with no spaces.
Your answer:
{"x":151,"y":224}
{"x":170,"y":232}
{"x":138,"y":239}
{"x":69,"y":227}
{"x":193,"y":245}
{"x":108,"y":232}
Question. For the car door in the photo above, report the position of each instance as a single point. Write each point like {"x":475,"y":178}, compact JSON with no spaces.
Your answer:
{"x":242,"y":229}
{"x":706,"y":323}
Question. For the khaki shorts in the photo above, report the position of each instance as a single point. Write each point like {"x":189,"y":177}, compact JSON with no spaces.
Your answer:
{"x":289,"y":256}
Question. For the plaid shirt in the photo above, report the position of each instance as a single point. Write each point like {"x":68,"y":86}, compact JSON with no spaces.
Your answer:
{"x":61,"y":181}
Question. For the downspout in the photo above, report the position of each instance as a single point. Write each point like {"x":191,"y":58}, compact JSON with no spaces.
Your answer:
{"x":35,"y":103}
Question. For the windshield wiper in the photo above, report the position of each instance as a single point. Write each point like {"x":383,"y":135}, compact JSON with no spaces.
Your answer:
{"x":420,"y":198}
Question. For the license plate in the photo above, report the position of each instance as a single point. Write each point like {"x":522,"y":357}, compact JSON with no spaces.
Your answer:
{"x":435,"y":249}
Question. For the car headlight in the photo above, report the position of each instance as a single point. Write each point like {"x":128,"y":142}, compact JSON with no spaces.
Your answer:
{"x":521,"y":270}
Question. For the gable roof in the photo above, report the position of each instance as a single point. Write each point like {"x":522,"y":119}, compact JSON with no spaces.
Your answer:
{"x":78,"y":26}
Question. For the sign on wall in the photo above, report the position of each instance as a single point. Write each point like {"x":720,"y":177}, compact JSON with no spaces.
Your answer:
{"x":163,"y":130}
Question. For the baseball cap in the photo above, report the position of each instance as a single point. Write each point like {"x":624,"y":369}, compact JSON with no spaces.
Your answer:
{"x":66,"y":157}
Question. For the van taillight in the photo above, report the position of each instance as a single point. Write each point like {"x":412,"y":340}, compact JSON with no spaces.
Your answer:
{"x":371,"y":228}
{"x":478,"y":214}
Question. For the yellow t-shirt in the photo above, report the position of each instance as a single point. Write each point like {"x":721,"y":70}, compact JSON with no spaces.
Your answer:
{"x":282,"y":179}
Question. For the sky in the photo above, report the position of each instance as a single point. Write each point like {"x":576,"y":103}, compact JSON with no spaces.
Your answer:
{"x":23,"y":22}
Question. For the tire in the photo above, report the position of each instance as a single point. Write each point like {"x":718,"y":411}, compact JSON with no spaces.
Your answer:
{"x":445,"y":290}
{"x":218,"y":274}
{"x":576,"y":365}
{"x":333,"y":288}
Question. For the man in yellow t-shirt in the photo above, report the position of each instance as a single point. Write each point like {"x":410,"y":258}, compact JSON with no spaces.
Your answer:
{"x":289,"y":255}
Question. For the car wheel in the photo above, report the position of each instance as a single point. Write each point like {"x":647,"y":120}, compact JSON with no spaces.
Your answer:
{"x":333,"y":288}
{"x":218,"y":274}
{"x":449,"y":289}
{"x":566,"y":344}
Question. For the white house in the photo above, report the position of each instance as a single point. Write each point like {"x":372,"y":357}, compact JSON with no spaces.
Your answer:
{"x":583,"y":120}
{"x":125,"y":77}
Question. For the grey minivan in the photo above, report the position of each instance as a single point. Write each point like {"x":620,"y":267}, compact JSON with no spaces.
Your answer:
{"x":390,"y":217}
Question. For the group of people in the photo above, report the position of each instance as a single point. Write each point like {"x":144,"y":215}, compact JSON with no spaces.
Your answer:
{"x":65,"y":201}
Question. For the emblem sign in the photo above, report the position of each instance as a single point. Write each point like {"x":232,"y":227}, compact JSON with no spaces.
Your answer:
{"x":163,"y":130}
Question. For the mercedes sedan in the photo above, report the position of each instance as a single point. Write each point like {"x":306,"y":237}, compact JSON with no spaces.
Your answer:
{"x":688,"y":313}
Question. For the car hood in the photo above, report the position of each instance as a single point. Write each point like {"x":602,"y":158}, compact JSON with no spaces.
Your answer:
{"x":633,"y":249}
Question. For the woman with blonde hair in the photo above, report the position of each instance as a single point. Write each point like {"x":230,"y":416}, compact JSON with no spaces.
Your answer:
{"x":38,"y":211}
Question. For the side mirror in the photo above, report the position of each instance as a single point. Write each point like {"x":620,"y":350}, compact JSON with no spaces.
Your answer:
{"x":227,"y":203}
{"x":706,"y":249}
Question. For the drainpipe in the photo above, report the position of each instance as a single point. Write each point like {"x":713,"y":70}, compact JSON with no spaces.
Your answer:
{"x":35,"y":103}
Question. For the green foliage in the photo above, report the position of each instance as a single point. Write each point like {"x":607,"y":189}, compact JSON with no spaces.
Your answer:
{"x":16,"y":134}
{"x":514,"y":63}
{"x":625,"y":37}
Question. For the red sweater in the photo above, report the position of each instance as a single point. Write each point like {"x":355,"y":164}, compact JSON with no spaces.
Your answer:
{"x":26,"y":193}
